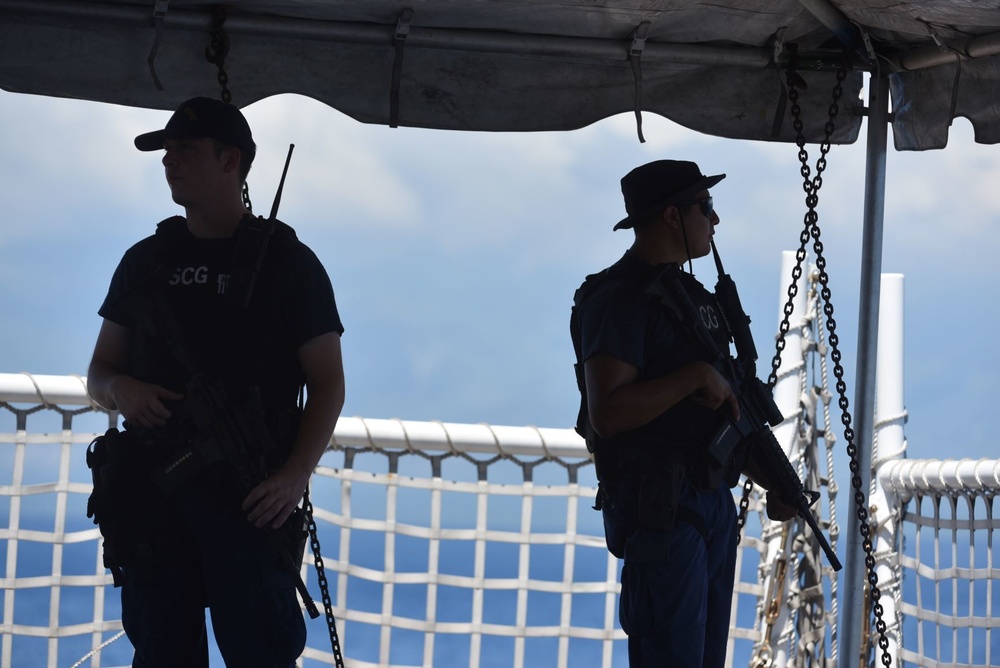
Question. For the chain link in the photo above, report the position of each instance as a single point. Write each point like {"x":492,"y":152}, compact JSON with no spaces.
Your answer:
{"x":741,"y":519}
{"x":246,"y":197}
{"x":324,"y":586}
{"x":216,"y":53}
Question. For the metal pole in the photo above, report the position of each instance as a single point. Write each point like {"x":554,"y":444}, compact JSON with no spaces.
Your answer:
{"x":853,"y":627}
{"x":834,"y":19}
{"x":890,"y":447}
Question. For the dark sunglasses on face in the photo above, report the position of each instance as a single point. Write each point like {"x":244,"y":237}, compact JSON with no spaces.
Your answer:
{"x":706,"y":204}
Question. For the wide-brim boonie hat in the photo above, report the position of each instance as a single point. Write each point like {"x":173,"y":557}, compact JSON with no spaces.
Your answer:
{"x":650,"y":188}
{"x":202,"y":117}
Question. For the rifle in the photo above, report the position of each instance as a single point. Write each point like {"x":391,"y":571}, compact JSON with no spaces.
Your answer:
{"x":758,"y":413}
{"x":219,"y":429}
{"x":216,"y":427}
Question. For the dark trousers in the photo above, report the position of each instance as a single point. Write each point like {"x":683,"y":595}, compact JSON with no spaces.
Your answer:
{"x":677,"y":587}
{"x":209,"y":556}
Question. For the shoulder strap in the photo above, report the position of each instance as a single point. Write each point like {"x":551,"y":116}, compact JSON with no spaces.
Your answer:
{"x":169,"y":233}
{"x":169,"y":229}
{"x":666,"y":288}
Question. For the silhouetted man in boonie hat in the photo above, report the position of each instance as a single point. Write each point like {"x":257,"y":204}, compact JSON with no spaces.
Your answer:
{"x":650,"y":401}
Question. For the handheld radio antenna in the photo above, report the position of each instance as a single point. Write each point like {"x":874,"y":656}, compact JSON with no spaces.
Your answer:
{"x":281,"y":186}
{"x":715,"y":254}
{"x":254,"y":236}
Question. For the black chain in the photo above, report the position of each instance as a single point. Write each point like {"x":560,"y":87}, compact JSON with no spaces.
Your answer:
{"x":811,"y":188}
{"x":812,"y":230}
{"x":216,"y":53}
{"x":324,"y":586}
{"x":741,"y":519}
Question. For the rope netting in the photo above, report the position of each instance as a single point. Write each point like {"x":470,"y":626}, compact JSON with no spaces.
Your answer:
{"x":57,"y":602}
{"x":797,"y":615}
{"x":948,"y":607}
{"x":475,"y":545}
{"x":445,"y":544}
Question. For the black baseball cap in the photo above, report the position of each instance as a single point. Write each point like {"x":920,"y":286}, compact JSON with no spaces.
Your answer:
{"x":202,"y":117}
{"x":652,"y":187}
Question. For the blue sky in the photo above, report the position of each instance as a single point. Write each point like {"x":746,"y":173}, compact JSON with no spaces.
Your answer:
{"x":454,"y":256}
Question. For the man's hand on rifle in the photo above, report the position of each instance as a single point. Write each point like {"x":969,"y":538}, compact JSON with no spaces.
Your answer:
{"x":108,"y":382}
{"x":779,"y":510}
{"x":140,"y":403}
{"x":269,"y":504}
{"x":714,"y":391}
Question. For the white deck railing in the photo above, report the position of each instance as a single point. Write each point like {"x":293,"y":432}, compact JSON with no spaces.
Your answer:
{"x":445,"y":544}
{"x":455,"y":544}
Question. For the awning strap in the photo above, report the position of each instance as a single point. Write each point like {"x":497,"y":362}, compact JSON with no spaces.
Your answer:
{"x":159,"y":12}
{"x":402,"y":31}
{"x":779,"y":110}
{"x":959,"y":56}
{"x":635,"y":57}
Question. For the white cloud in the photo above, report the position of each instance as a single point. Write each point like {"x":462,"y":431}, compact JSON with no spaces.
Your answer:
{"x":403,"y":217}
{"x":70,"y":158}
{"x":943,"y":207}
{"x":336,"y":177}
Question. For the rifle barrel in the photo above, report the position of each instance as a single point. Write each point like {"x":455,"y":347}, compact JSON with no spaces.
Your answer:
{"x":807,"y":515}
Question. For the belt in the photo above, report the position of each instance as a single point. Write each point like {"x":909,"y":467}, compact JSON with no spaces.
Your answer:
{"x":649,"y":546}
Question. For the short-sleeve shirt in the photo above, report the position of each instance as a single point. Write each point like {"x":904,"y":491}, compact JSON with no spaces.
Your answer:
{"x":646,"y":328}
{"x":293,"y":302}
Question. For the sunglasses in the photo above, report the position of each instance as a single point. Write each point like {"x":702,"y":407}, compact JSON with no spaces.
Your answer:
{"x":706,"y":204}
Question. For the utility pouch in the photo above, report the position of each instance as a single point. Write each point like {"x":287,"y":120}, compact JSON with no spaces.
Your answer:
{"x":639,"y":501}
{"x":124,"y":506}
{"x":618,"y":506}
{"x":104,"y":461}
{"x":659,"y":496}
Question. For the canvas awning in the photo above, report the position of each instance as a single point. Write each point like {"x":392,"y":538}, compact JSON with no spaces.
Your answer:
{"x":525,"y":65}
